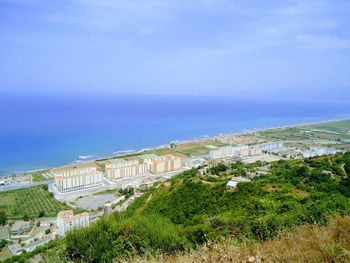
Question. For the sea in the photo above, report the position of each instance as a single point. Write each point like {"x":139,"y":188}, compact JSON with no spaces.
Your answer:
{"x":38,"y":131}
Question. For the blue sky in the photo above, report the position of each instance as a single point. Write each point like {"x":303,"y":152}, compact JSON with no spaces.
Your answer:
{"x":293,"y":49}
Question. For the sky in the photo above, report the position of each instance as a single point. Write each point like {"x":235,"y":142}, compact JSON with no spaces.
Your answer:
{"x":232,"y":48}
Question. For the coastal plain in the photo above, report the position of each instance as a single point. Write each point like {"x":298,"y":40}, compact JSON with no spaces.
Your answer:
{"x":335,"y":134}
{"x":41,"y":203}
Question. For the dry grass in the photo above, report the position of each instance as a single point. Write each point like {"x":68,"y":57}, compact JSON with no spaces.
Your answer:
{"x":303,"y":244}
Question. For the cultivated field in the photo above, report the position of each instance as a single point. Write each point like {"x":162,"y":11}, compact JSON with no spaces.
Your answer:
{"x":333,"y":134}
{"x":29,"y":202}
{"x":197,"y":147}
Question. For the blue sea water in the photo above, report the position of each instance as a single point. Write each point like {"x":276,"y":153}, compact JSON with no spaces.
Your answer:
{"x":46,"y":131}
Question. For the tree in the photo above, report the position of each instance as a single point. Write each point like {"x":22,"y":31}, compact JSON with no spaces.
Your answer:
{"x":3,"y":218}
{"x":26,"y":217}
{"x":41,"y":214}
{"x":218,"y":169}
{"x":3,"y":243}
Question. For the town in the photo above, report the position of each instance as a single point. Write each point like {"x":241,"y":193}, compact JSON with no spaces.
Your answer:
{"x":83,"y":192}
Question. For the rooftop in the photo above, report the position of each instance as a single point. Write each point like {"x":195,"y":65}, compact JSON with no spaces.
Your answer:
{"x":18,"y":224}
{"x":37,"y":242}
{"x":232,"y":184}
{"x":68,"y":215}
{"x":116,"y":161}
{"x":240,"y":179}
{"x":4,"y":232}
{"x":73,"y":167}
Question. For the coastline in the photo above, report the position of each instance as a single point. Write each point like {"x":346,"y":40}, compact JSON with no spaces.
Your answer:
{"x":124,"y":153}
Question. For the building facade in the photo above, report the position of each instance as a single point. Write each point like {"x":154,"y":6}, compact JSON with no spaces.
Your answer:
{"x":107,"y":209}
{"x":269,"y":146}
{"x":122,"y":169}
{"x":235,"y":151}
{"x":66,"y":221}
{"x":76,"y":178}
{"x":21,"y":227}
{"x":318,"y":151}
{"x":158,"y":164}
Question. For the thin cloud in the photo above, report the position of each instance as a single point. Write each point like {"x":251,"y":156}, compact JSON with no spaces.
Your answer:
{"x":322,"y":42}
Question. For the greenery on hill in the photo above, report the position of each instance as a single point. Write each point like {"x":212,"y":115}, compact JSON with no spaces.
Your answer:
{"x":191,"y":210}
{"x":306,"y":243}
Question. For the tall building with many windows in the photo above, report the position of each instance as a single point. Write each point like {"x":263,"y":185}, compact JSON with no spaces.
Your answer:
{"x":235,"y":151}
{"x":123,"y":169}
{"x":269,"y":146}
{"x":68,"y":179}
{"x":66,"y":221}
{"x":158,"y":164}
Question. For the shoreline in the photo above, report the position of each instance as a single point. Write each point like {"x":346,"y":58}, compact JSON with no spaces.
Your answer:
{"x":163,"y":146}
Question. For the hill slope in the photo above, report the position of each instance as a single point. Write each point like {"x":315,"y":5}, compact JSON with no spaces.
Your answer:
{"x":191,"y":210}
{"x":309,"y":243}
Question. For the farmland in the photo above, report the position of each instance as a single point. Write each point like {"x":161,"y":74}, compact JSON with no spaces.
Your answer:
{"x":198,"y":147}
{"x":29,"y":203}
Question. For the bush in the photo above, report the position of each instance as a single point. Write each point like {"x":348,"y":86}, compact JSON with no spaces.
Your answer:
{"x":3,"y":218}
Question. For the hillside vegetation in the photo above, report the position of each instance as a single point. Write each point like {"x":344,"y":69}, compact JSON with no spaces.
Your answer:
{"x":307,"y":243}
{"x":191,"y":210}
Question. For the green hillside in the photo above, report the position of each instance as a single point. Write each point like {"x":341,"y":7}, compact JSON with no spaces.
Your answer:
{"x":190,"y":209}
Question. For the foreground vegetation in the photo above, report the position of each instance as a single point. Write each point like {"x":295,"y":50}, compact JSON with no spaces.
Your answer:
{"x":307,"y":243}
{"x":191,"y":210}
{"x":29,"y":203}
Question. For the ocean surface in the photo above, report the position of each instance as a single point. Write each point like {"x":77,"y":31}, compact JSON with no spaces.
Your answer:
{"x":47,"y":131}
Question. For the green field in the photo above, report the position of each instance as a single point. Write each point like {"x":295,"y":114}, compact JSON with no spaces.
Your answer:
{"x":330,"y":134}
{"x":341,"y":127}
{"x":29,"y":202}
{"x":38,"y":177}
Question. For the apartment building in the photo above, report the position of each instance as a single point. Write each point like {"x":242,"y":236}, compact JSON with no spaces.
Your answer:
{"x":270,"y":146}
{"x":158,"y":164}
{"x":66,"y":221}
{"x":319,"y":151}
{"x":68,"y":179}
{"x":123,"y":169}
{"x":235,"y":151}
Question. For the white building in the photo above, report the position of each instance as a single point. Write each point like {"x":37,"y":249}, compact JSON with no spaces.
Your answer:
{"x":235,"y":180}
{"x":107,"y":209}
{"x":38,"y":243}
{"x":66,"y":221}
{"x":318,"y":151}
{"x":322,"y":150}
{"x":68,"y":179}
{"x":194,"y":162}
{"x":269,"y":146}
{"x":122,"y":169}
{"x":235,"y":151}
{"x":308,"y":154}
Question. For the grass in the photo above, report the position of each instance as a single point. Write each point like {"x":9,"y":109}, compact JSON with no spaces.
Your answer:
{"x":5,"y":253}
{"x":337,"y":126}
{"x":196,"y":150}
{"x":308,"y":243}
{"x":29,"y":202}
{"x":198,"y":147}
{"x":315,"y":134}
{"x":38,"y":177}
